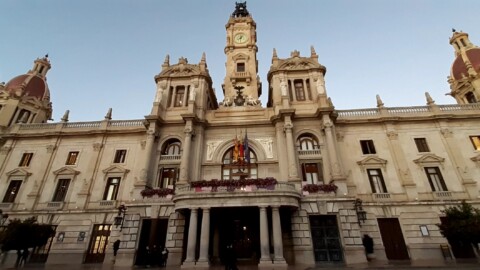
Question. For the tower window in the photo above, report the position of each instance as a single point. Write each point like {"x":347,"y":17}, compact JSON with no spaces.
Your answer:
{"x":25,"y":161}
{"x":471,"y":97}
{"x":299,"y":89}
{"x":463,"y":42}
{"x":422,"y":145}
{"x":179,"y":95}
{"x":240,"y":67}
{"x":367,"y":147}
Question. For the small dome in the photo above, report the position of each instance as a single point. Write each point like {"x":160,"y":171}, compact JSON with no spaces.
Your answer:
{"x":30,"y":85}
{"x":459,"y":70}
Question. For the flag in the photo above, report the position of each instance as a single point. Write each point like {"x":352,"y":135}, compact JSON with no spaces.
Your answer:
{"x":246,"y":149}
{"x":235,"y":150}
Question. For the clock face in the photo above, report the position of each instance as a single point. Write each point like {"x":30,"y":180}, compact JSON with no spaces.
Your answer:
{"x":240,"y":38}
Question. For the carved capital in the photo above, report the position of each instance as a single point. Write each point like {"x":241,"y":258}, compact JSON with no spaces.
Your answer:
{"x":447,"y":133}
{"x":392,"y":135}
{"x":97,"y":146}
{"x":5,"y":149}
{"x":287,"y":127}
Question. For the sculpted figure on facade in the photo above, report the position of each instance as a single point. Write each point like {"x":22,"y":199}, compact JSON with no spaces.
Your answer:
{"x":252,"y":101}
{"x":193,"y":93}
{"x":211,"y":147}
{"x":159,"y":94}
{"x":267,"y":144}
{"x":283,"y":87}
{"x":321,"y":86}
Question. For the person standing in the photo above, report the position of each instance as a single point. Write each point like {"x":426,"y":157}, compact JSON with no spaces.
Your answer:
{"x":367,"y":242}
{"x":164,"y":256}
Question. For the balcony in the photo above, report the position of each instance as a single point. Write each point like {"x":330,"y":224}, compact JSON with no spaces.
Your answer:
{"x":314,"y":153}
{"x":170,"y":157}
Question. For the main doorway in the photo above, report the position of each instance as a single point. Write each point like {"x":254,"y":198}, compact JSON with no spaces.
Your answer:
{"x":239,"y":227}
{"x":392,"y":238}
{"x":327,"y":246}
{"x":153,"y":236}
{"x":98,"y":243}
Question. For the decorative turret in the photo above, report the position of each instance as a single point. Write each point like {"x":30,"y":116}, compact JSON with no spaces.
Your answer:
{"x":464,"y":79}
{"x":26,"y":98}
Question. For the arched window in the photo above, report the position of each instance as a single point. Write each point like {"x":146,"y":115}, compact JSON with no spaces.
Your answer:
{"x":171,"y":148}
{"x":307,"y":142}
{"x":239,"y":170}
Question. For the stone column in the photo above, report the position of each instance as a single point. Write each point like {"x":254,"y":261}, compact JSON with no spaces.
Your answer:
{"x":277,"y":237}
{"x":264,"y":243}
{"x":204,"y":238}
{"x":192,"y":239}
{"x":292,"y":163}
{"x":332,"y":150}
{"x":184,"y":163}
{"x":146,"y":174}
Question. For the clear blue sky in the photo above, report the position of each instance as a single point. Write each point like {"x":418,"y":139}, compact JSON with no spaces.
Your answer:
{"x":105,"y":53}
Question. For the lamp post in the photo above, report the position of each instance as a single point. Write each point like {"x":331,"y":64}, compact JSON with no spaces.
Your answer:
{"x":122,"y":209}
{"x":361,"y":214}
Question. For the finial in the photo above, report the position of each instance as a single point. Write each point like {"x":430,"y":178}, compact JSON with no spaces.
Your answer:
{"x":379,"y":102}
{"x":204,"y":57}
{"x":167,"y":60}
{"x":430,"y":101}
{"x":312,"y":51}
{"x":65,"y":116}
{"x":108,"y":116}
{"x":274,"y":53}
{"x":453,"y":30}
{"x":46,"y":55}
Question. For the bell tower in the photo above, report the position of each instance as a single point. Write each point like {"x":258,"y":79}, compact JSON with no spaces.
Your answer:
{"x":242,"y":85}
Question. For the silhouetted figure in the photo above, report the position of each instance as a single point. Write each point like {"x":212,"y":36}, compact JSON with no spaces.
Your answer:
{"x":19,"y":257}
{"x":25,"y":254}
{"x":148,"y":256}
{"x":164,"y":256}
{"x":116,"y":247}
{"x":230,"y":258}
{"x":367,"y":242}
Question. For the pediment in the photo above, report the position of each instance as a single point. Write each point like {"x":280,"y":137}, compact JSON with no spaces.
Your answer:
{"x":372,"y":161}
{"x":18,"y":172}
{"x":115,"y":169}
{"x":429,"y":158}
{"x":66,"y":171}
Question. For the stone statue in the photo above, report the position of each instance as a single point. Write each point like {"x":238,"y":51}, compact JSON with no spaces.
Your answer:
{"x":320,"y":86}
{"x":252,"y":101}
{"x":193,"y":93}
{"x":283,"y":87}
{"x":159,"y":94}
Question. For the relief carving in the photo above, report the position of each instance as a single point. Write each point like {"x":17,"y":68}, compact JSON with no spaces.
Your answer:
{"x":267,"y":144}
{"x":211,"y":147}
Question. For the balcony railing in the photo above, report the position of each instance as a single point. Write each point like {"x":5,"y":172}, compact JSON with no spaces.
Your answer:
{"x":314,"y":152}
{"x":170,"y":157}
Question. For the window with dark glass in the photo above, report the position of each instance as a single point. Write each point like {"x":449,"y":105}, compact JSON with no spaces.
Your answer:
{"x":23,"y":116}
{"x":168,"y":177}
{"x":179,"y":95}
{"x":422,"y":145}
{"x":312,"y":173}
{"x":299,"y":89}
{"x":476,"y":142}
{"x":25,"y":161}
{"x":61,"y":190}
{"x":367,"y":147}
{"x":240,"y":67}
{"x":376,"y":181}
{"x":111,"y":190}
{"x":171,"y":148}
{"x":72,"y":158}
{"x":12,"y":191}
{"x":120,"y":156}
{"x":471,"y":97}
{"x":435,"y":179}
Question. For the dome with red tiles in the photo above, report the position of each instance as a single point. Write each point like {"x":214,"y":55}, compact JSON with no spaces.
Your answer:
{"x":29,"y":85}
{"x":459,"y":69}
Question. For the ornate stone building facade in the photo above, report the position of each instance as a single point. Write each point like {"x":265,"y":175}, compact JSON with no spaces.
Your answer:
{"x":294,"y":182}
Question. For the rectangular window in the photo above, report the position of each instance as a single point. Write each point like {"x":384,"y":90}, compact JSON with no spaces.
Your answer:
{"x":240,"y":67}
{"x":120,"y":156}
{"x":111,"y":190}
{"x":367,"y":147}
{"x":12,"y":191}
{"x":312,"y":173}
{"x":61,"y":190}
{"x":299,"y":89}
{"x":72,"y":158}
{"x":476,"y":142}
{"x":179,"y":96}
{"x":435,"y":179}
{"x":376,"y":181}
{"x":168,"y":177}
{"x":25,"y":161}
{"x":422,"y":145}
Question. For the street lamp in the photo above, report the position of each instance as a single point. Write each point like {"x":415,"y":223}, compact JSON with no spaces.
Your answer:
{"x":3,"y":218}
{"x":122,"y":209}
{"x":361,"y":214}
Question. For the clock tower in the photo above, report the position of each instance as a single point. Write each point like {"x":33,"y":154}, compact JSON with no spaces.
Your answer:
{"x":242,"y":85}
